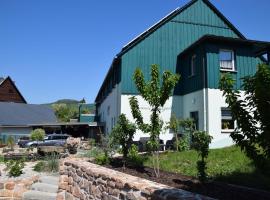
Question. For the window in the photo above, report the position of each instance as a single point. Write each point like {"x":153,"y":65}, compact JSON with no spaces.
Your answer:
{"x":226,"y":60}
{"x":192,"y":66}
{"x":195,"y":117}
{"x":227,"y":122}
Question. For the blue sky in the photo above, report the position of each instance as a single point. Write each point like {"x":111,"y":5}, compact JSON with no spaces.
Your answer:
{"x":56,"y":49}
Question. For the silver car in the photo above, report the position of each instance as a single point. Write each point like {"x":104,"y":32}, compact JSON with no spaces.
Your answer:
{"x":50,"y":140}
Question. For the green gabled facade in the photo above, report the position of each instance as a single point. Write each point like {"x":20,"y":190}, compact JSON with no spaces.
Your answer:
{"x":162,"y":43}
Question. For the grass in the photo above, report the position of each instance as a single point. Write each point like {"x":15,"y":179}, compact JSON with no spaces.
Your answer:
{"x":227,"y":165}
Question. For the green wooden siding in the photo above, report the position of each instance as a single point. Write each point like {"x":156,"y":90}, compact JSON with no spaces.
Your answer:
{"x":164,"y":45}
{"x":245,"y":64}
{"x":188,"y":83}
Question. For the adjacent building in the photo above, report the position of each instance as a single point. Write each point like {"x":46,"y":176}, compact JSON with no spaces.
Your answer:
{"x":198,"y":42}
{"x":9,"y":92}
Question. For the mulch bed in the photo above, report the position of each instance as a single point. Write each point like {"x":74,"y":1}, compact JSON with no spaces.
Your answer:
{"x":212,"y":189}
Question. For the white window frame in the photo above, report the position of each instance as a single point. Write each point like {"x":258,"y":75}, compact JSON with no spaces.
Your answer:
{"x":233,"y":60}
{"x":221,"y":117}
{"x":192,"y":65}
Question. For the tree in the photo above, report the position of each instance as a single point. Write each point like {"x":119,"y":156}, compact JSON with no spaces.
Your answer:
{"x":174,"y":126}
{"x":64,"y":112}
{"x":122,"y":134}
{"x":156,"y":94}
{"x":37,"y":134}
{"x":252,"y":113}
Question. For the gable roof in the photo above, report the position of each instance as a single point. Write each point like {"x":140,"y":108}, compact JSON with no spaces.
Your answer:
{"x":19,"y":114}
{"x":167,"y":18}
{"x":3,"y":80}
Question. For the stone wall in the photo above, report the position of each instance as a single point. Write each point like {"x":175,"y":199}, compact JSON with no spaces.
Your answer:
{"x":84,"y":180}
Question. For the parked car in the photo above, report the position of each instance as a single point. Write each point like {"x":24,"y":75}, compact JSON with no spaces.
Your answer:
{"x":23,"y":141}
{"x":50,"y":140}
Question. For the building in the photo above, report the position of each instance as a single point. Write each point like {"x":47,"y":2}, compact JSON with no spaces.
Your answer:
{"x":9,"y":92}
{"x":19,"y":119}
{"x":198,"y":42}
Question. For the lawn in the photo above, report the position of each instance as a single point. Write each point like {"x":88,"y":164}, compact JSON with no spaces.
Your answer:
{"x":227,"y":165}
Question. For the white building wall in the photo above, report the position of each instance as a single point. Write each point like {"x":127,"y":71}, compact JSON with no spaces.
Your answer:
{"x":208,"y":103}
{"x":182,"y":106}
{"x":215,"y":102}
{"x":146,"y":113}
{"x":109,"y":110}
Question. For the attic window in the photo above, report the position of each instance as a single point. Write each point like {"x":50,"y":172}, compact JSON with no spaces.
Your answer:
{"x":226,"y":60}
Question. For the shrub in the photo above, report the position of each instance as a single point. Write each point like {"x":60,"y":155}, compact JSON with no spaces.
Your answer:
{"x":37,"y":134}
{"x":40,"y":166}
{"x":11,"y":142}
{"x":122,"y":134}
{"x":201,"y":141}
{"x":102,"y":159}
{"x":183,"y":143}
{"x":133,"y":156}
{"x":15,"y":167}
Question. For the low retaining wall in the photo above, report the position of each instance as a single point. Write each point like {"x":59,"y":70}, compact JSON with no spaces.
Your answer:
{"x":85,"y":180}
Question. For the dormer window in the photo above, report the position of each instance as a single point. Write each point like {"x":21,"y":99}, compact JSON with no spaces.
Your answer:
{"x":192,"y":65}
{"x":226,"y":60}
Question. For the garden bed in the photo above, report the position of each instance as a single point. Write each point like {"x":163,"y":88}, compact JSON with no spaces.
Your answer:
{"x":212,"y":189}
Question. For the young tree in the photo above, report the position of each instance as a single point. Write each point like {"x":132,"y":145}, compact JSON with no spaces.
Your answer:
{"x":156,"y":94}
{"x":252,"y":113}
{"x":200,"y":143}
{"x":11,"y":142}
{"x":122,"y":134}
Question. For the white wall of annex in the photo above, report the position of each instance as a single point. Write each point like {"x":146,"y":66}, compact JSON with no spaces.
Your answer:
{"x":109,"y":109}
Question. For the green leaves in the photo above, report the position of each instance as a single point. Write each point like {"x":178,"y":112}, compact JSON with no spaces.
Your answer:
{"x":252,"y":112}
{"x":156,"y":94}
{"x":122,"y":134}
{"x":37,"y":134}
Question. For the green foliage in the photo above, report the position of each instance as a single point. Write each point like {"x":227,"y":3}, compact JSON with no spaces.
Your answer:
{"x":184,"y":126}
{"x":40,"y":166}
{"x":201,"y":141}
{"x":183,"y":143}
{"x":252,"y":113}
{"x":52,"y":162}
{"x":122,"y":134}
{"x":37,"y":134}
{"x":133,"y":156}
{"x":11,"y":142}
{"x":2,"y":159}
{"x":15,"y":167}
{"x":102,"y":159}
{"x":65,"y":112}
{"x":228,"y":165}
{"x":156,"y":93}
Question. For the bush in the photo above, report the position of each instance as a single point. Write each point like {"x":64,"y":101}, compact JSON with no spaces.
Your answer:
{"x":201,"y":141}
{"x":133,"y":156}
{"x":40,"y":166}
{"x":92,"y":142}
{"x":102,"y":159}
{"x":183,"y":144}
{"x":15,"y":167}
{"x":37,"y":134}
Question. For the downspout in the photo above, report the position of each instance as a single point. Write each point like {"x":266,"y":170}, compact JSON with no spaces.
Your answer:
{"x":205,"y":93}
